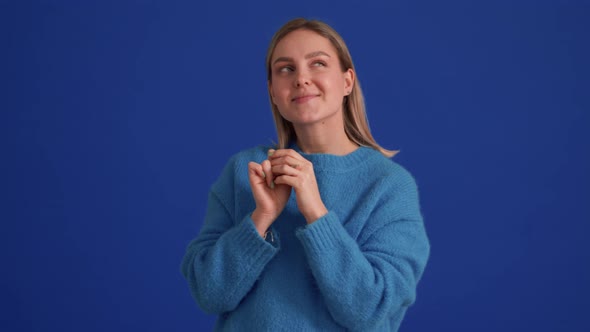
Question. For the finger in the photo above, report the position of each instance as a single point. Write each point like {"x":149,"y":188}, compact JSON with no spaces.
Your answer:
{"x":270,"y":152}
{"x":256,"y":170}
{"x":285,"y":179}
{"x":288,"y":160}
{"x":284,"y":170}
{"x":266,"y":168}
{"x":284,"y":152}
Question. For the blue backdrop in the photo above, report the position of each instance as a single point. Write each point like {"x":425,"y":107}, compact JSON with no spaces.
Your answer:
{"x":117,"y":116}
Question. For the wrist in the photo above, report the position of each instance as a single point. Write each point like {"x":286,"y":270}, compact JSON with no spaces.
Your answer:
{"x":261,"y":221}
{"x":316,"y":214}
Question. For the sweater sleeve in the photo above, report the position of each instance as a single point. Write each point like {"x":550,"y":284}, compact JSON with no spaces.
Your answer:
{"x":365,"y":283}
{"x":223,"y":262}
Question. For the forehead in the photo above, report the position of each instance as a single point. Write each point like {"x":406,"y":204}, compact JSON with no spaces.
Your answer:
{"x":301,"y":42}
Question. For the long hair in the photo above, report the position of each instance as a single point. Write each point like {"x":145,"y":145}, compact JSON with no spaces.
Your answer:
{"x":356,"y":125}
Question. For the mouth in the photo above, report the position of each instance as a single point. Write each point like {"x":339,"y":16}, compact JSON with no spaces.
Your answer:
{"x":303,"y":99}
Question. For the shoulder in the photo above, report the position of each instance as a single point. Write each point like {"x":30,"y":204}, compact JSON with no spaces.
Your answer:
{"x":389,"y":171}
{"x":236,"y":168}
{"x":395,"y":190}
{"x":392,"y":185}
{"x":256,"y":154}
{"x":243,"y":157}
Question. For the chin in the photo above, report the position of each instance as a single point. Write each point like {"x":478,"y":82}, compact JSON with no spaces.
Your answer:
{"x":306,"y":118}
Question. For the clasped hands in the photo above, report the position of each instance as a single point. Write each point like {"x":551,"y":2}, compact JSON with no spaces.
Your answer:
{"x":271,"y":182}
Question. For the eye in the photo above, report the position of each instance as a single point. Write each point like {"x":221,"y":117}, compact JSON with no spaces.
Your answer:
{"x":285,"y":69}
{"x":319,"y":63}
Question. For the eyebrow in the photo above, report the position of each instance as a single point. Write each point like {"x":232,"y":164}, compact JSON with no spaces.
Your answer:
{"x":307,"y":56}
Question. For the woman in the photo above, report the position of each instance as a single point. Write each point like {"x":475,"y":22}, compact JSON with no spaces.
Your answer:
{"x":322,"y":232}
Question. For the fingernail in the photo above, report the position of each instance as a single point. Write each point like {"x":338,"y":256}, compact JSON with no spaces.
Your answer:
{"x":263,"y":175}
{"x":270,"y":152}
{"x":272,"y":184}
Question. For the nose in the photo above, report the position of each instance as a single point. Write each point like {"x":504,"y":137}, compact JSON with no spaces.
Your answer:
{"x":301,"y":79}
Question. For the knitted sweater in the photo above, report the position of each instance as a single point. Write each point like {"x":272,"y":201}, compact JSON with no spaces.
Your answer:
{"x":356,"y":268}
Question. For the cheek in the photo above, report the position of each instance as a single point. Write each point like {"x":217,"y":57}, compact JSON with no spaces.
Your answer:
{"x":333,"y":79}
{"x":281,"y":92}
{"x":275,"y":92}
{"x":275,"y":86}
{"x":335,"y":85}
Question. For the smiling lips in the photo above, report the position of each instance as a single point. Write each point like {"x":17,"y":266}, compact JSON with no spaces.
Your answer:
{"x":304,"y":98}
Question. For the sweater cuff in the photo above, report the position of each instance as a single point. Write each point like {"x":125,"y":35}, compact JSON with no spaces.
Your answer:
{"x":323,"y":234}
{"x":252,"y":244}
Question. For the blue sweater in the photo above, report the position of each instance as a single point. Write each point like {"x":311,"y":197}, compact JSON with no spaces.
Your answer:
{"x":355,"y":268}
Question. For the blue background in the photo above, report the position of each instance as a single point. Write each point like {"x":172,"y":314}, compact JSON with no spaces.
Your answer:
{"x":116,"y":117}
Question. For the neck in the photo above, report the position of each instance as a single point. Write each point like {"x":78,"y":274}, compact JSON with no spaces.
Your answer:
{"x":321,"y":138}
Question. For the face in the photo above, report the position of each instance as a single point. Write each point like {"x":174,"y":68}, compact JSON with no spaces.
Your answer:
{"x":307,"y":84}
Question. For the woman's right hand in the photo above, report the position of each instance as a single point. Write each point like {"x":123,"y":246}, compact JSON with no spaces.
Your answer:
{"x":270,"y":198}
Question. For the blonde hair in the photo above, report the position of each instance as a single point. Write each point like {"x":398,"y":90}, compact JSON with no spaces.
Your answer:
{"x":356,"y":125}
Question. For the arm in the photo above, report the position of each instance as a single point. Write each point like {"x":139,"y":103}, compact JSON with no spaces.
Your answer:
{"x":223,"y":262}
{"x":365,"y":283}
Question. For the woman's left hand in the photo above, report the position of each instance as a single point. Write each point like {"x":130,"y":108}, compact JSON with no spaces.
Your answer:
{"x":290,"y":168}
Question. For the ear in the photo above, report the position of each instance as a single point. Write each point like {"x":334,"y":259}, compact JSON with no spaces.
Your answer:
{"x":348,"y":81}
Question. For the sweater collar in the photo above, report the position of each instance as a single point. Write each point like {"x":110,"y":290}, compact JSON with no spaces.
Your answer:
{"x":334,"y":163}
